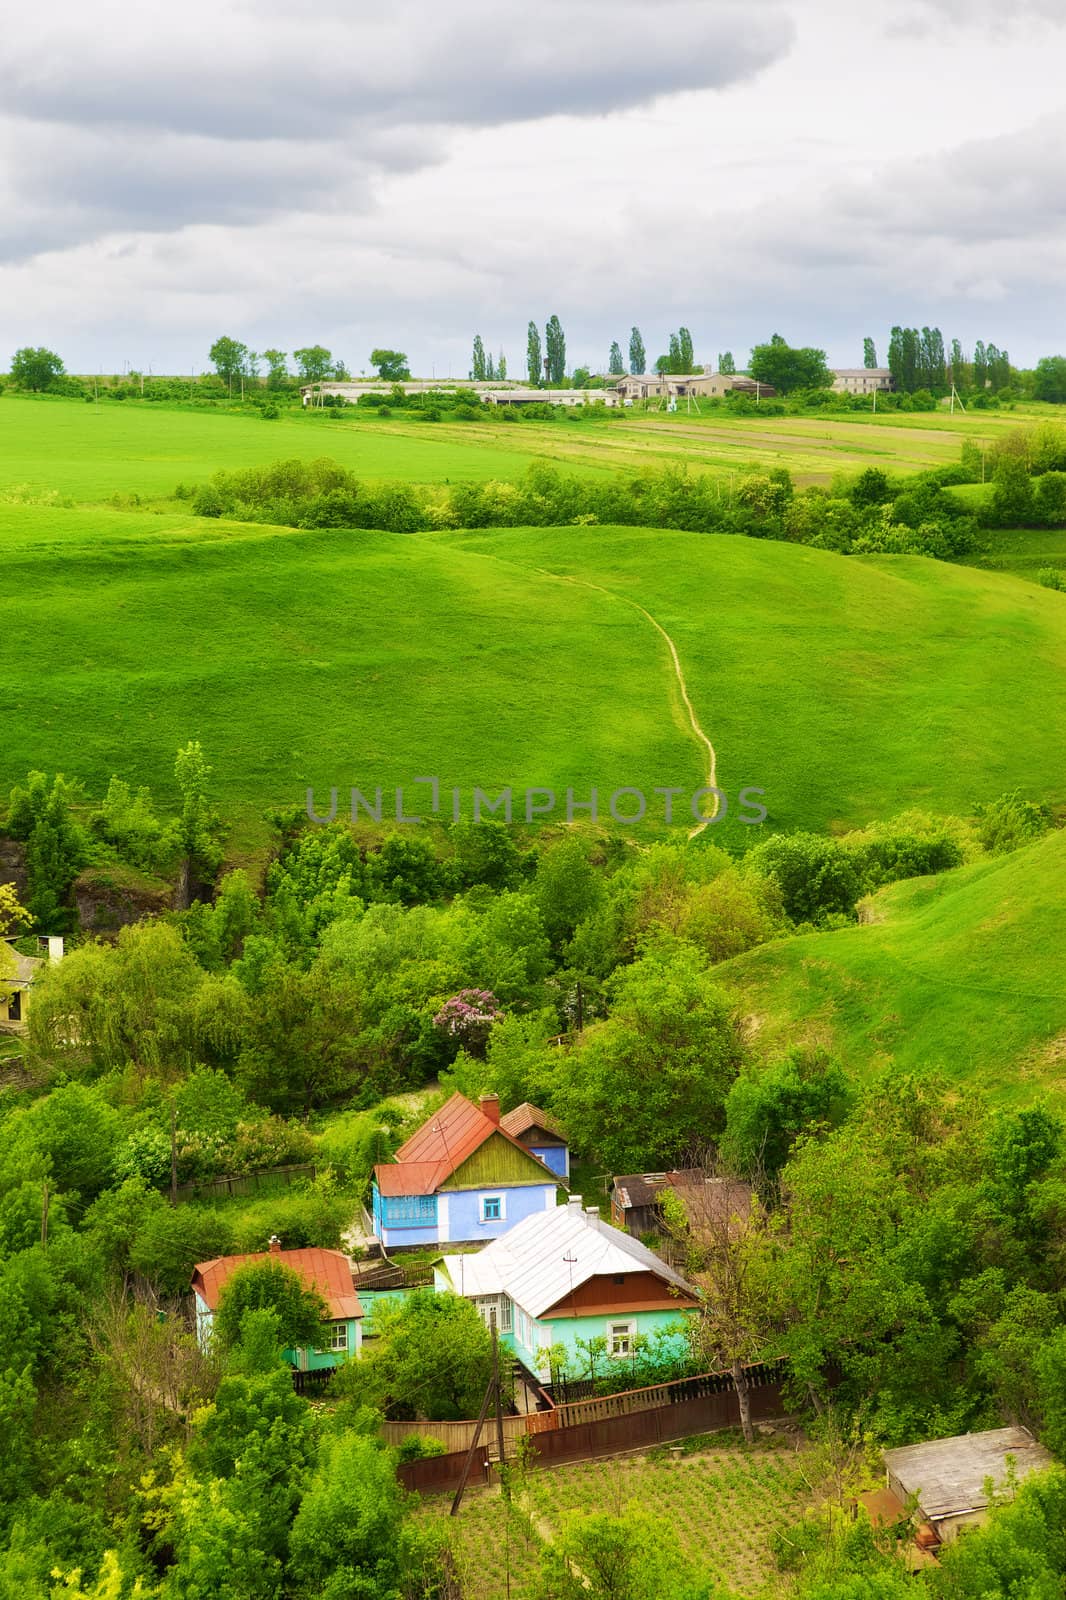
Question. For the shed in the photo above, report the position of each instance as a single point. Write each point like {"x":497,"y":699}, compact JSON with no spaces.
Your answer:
{"x":948,"y":1478}
{"x":540,"y":1133}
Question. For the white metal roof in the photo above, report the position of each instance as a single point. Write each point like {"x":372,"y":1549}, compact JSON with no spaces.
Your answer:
{"x":541,"y":1259}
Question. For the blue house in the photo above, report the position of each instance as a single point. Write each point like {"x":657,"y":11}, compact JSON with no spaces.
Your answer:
{"x":541,"y":1134}
{"x":462,"y":1178}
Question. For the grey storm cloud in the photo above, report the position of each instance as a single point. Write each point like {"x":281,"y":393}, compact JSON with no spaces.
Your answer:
{"x":261,"y":69}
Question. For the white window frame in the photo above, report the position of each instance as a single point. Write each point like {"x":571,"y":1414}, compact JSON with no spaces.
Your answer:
{"x":338,"y":1340}
{"x":506,"y":1315}
{"x":500,"y":1200}
{"x":626,"y":1330}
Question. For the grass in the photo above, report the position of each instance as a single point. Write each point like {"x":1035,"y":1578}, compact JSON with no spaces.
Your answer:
{"x":847,"y":689}
{"x":964,"y":973}
{"x":722,"y":1500}
{"x":90,"y":453}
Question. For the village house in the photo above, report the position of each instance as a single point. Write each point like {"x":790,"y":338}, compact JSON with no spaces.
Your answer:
{"x":17,"y":976}
{"x":673,"y":385}
{"x":540,"y":1134}
{"x":328,"y":1272}
{"x":462,"y":1178}
{"x":948,"y":1480}
{"x":565,"y":1276}
{"x":861,"y":380}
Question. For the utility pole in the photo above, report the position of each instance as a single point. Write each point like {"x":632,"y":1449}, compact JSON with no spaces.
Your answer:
{"x":500,"y":1449}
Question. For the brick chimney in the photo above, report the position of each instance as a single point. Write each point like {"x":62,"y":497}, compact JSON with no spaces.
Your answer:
{"x":275,"y":1245}
{"x":490,"y":1107}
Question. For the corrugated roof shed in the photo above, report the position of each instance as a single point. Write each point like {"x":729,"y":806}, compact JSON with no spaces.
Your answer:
{"x":540,"y":1260}
{"x":328,"y":1271}
{"x":948,"y":1476}
{"x":525,"y":1117}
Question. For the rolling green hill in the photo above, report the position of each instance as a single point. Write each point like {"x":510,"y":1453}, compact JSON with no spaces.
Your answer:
{"x":965,"y":973}
{"x":846,"y":689}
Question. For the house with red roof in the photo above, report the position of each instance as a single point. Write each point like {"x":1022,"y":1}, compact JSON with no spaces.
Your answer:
{"x":540,"y":1133}
{"x":329,"y":1272}
{"x":462,"y":1178}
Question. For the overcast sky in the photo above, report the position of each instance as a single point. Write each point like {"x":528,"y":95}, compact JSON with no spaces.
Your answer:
{"x":414,"y":173}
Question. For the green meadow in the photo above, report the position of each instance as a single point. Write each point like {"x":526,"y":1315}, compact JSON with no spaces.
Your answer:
{"x":964,"y":973}
{"x":90,"y":453}
{"x":848,"y":690}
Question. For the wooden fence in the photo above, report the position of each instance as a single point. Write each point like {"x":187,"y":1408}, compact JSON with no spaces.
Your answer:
{"x":245,"y":1183}
{"x":687,"y":1405}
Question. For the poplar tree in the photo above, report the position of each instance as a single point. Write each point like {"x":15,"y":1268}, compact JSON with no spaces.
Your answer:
{"x":726,"y":364}
{"x":638,"y":356}
{"x":533,"y":353}
{"x":958,"y":365}
{"x":615,"y":363}
{"x":477,"y":363}
{"x":910,"y":360}
{"x":555,"y":350}
{"x":490,"y":368}
{"x":980,"y":365}
{"x":501,"y":366}
{"x":684,"y":339}
{"x":675,"y":354}
{"x":895,"y":356}
{"x":869,"y":353}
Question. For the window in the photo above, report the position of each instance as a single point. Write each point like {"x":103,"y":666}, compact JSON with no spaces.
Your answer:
{"x":410,"y":1211}
{"x":492,"y":1208}
{"x":505,"y":1314}
{"x":338,"y":1339}
{"x":620,"y":1338}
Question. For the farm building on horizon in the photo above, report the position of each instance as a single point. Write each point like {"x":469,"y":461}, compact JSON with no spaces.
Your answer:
{"x":702,"y":385}
{"x":861,"y":380}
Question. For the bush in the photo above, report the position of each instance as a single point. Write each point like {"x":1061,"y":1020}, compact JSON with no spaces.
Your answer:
{"x":1009,"y":822}
{"x":817,"y":877}
{"x":1051,"y":578}
{"x":419,"y":1446}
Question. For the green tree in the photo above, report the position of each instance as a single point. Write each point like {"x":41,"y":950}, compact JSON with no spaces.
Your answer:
{"x":35,"y":368}
{"x":533,"y":356}
{"x":726,"y":364}
{"x":769,"y":1108}
{"x":314,"y":363}
{"x":197,"y":826}
{"x":615,"y":364}
{"x":958,"y":366}
{"x":432,"y":1357}
{"x":277,"y":369}
{"x":501,"y":366}
{"x":1049,"y":380}
{"x":895,"y":357}
{"x":555,"y":350}
{"x":788,"y":368}
{"x":686,"y":351}
{"x":56,"y":846}
{"x":651,"y":1080}
{"x":816,"y":876}
{"x":637,"y":355}
{"x":1012,"y":503}
{"x":229,"y":357}
{"x":477,"y":361}
{"x":353,"y":1536}
{"x":629,"y":1556}
{"x":270,"y":1285}
{"x":490,"y":367}
{"x":567,"y":888}
{"x":674,"y":358}
{"x":980,"y":366}
{"x":391,"y":364}
{"x":77,"y":1132}
{"x":869,"y":353}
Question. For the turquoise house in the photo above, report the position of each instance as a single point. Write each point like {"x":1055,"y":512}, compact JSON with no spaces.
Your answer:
{"x":328,"y":1272}
{"x":565,"y":1276}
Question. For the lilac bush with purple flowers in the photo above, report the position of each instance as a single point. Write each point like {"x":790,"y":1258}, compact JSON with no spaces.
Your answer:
{"x":468,"y":1016}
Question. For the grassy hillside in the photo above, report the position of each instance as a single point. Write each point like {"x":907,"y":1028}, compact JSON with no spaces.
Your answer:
{"x":846,"y":688}
{"x":965,"y":973}
{"x":313,"y":658}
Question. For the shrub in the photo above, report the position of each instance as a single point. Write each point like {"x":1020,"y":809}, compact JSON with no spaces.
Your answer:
{"x":1051,"y":578}
{"x":1009,"y":822}
{"x":816,"y":876}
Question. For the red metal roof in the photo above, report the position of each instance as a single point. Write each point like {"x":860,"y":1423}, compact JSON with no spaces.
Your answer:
{"x":439,"y":1148}
{"x":328,"y":1271}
